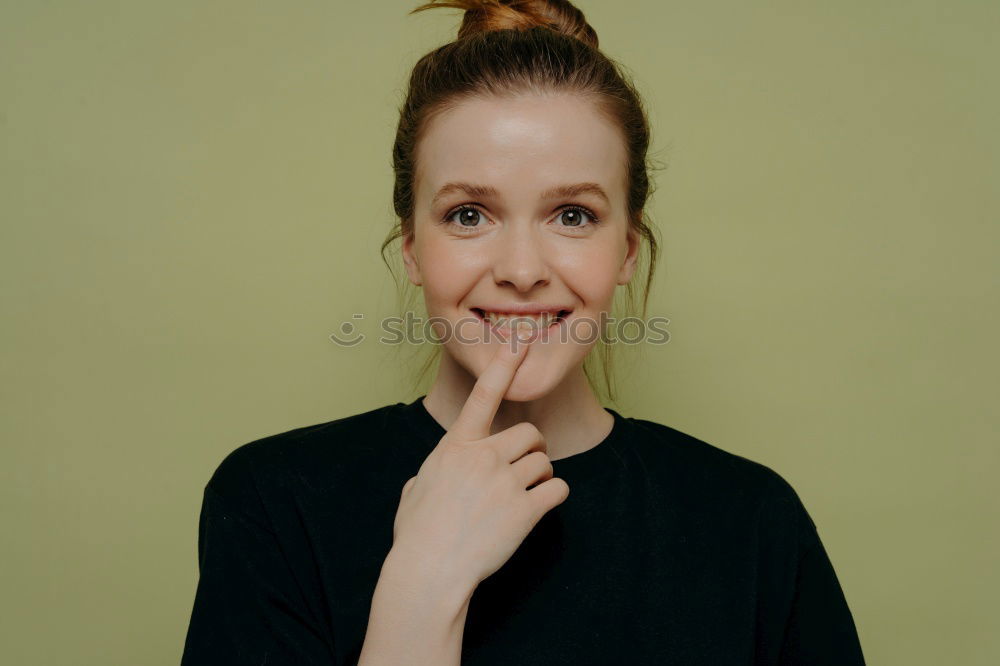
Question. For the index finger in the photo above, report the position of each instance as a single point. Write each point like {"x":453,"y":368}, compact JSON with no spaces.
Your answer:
{"x":481,"y":406}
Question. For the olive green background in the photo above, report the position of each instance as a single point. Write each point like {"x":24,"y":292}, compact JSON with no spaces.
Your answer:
{"x":193,"y":195}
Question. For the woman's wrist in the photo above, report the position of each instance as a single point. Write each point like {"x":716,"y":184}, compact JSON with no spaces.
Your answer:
{"x":426,"y":581}
{"x":414,"y":618}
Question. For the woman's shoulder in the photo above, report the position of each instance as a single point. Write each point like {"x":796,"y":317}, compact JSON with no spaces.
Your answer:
{"x":704,"y":468}
{"x":711,"y":481}
{"x":326,"y":447}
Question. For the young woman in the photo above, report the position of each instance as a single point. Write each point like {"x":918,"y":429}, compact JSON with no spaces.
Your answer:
{"x":507,"y":517}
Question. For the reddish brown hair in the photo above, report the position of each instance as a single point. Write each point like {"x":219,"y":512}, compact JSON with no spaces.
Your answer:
{"x":516,"y":46}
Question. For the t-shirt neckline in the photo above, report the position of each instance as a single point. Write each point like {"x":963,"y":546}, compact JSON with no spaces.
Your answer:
{"x":605,"y":455}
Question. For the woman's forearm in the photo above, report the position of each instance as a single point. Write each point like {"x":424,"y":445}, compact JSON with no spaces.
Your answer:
{"x":416,"y":617}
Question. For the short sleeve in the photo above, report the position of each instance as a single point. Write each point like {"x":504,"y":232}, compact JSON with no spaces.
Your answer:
{"x":248,"y":608}
{"x":820,"y":628}
{"x":803,"y":616}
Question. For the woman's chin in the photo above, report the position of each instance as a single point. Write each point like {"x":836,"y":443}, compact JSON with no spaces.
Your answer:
{"x":527,"y":395}
{"x":537,"y":376}
{"x":527,"y":387}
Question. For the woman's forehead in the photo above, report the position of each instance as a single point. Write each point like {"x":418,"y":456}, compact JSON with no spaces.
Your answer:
{"x":546,"y":140}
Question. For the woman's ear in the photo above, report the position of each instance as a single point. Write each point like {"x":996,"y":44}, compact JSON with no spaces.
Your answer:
{"x":410,"y":260}
{"x":631,"y":256}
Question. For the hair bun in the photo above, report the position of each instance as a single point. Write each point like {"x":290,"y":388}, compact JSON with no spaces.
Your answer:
{"x":488,"y":15}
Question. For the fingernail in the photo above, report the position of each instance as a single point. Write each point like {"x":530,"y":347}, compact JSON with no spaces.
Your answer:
{"x":524,"y":334}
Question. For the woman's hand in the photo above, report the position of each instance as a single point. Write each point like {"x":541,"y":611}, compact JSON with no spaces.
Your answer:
{"x":469,"y":507}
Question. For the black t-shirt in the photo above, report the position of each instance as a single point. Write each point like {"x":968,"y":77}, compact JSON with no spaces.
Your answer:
{"x":668,"y":550}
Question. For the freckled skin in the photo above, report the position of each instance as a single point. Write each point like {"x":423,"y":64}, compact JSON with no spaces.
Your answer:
{"x":521,"y":247}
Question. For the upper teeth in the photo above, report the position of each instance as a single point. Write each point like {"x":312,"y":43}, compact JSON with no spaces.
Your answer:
{"x":541,"y":320}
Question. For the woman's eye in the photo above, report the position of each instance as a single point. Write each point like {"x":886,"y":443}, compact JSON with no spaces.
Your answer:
{"x":574,"y":217}
{"x":466,"y":219}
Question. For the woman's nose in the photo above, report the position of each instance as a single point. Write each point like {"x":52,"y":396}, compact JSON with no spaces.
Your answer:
{"x":519,"y":258}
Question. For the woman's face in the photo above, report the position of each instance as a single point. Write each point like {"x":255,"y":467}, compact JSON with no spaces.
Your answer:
{"x":520,"y":205}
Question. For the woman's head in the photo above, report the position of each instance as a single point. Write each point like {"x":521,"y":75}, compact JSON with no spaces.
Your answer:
{"x":521,"y":178}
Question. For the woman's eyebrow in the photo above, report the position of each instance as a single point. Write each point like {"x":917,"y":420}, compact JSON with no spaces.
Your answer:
{"x":558,"y":192}
{"x":563,"y":191}
{"x":469,"y":189}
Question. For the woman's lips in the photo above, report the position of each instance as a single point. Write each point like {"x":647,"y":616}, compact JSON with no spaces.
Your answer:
{"x":505,"y":328}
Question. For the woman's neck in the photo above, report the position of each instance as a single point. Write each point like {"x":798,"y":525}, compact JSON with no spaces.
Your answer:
{"x":570,"y":417}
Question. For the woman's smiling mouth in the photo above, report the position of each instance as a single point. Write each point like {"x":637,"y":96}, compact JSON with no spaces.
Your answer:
{"x":540,"y":320}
